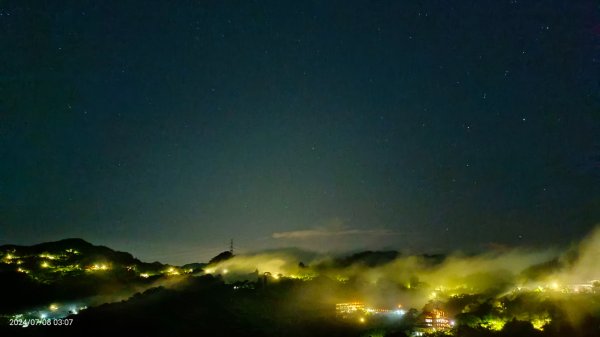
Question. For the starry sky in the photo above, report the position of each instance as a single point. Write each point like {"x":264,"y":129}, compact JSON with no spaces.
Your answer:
{"x":167,"y":128}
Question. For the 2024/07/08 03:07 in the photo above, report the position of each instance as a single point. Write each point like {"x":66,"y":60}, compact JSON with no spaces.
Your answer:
{"x":36,"y":321}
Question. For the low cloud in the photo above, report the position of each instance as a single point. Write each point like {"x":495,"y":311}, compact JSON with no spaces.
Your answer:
{"x":325,"y":232}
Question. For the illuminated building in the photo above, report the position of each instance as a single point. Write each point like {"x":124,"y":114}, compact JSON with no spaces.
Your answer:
{"x":434,"y":320}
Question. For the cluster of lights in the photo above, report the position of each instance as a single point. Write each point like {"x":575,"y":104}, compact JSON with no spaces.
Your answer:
{"x":48,"y":256}
{"x":98,"y":267}
{"x":540,"y":323}
{"x":357,"y":310}
{"x":172,"y":271}
{"x":8,"y":258}
{"x":302,"y":277}
{"x":341,"y":279}
{"x":349,"y":308}
{"x":223,"y":271}
{"x":558,"y":287}
{"x":52,"y":311}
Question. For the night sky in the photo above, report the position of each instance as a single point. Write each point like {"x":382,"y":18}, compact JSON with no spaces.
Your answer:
{"x":167,"y":128}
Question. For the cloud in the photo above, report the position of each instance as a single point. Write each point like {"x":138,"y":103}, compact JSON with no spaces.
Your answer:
{"x":325,"y":232}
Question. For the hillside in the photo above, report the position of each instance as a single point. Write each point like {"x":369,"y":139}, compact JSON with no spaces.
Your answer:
{"x":72,"y":269}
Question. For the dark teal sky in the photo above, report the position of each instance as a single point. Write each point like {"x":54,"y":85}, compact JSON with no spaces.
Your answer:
{"x":165,"y":129}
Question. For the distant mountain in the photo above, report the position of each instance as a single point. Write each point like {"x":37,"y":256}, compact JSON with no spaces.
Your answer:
{"x":377,"y":258}
{"x":540,"y":271}
{"x":78,"y":247}
{"x":196,"y":266}
{"x":71,"y":269}
{"x":224,"y":256}
{"x":73,"y":252}
{"x":369,"y":258}
{"x":207,"y":306}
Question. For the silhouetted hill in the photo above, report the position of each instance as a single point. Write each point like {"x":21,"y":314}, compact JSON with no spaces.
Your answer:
{"x":221,"y":257}
{"x":369,"y":258}
{"x":377,"y":258}
{"x":107,"y":292}
{"x":539,"y":271}
{"x":70,"y":269}
{"x":206,"y":306}
{"x":196,"y":266}
{"x":75,"y":243}
{"x":76,"y":250}
{"x":84,"y":249}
